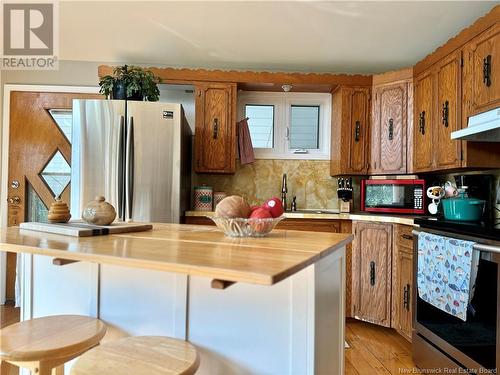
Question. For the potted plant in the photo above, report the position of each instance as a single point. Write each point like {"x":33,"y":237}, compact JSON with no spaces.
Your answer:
{"x":131,"y":83}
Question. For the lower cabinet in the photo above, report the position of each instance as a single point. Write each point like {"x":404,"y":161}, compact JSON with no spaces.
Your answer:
{"x":372,"y":272}
{"x":402,"y":280}
{"x":404,"y":285}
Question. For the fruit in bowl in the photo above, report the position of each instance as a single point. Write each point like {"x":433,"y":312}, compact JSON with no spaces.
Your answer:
{"x":274,"y":206}
{"x":236,"y":218}
{"x":261,"y":226}
{"x":232,"y":207}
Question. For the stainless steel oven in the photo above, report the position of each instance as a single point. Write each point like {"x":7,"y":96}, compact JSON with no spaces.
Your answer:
{"x":442,"y":341}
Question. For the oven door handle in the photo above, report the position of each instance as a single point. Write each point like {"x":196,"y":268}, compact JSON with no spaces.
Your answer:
{"x":477,"y":246}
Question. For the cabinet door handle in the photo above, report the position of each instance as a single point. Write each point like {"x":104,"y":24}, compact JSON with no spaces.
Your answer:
{"x":406,"y":297}
{"x":407,"y":236}
{"x":391,"y":129}
{"x":215,"y":129}
{"x":372,"y":273}
{"x":357,"y":131}
{"x":444,"y":113}
{"x":487,"y":71}
{"x":421,"y":122}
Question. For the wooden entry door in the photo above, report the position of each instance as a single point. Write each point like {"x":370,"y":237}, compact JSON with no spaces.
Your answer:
{"x":39,"y":158}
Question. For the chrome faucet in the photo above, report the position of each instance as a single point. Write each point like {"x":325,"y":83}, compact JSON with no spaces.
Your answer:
{"x":284,"y":191}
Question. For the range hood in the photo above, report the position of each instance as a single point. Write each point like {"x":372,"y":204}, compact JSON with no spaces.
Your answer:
{"x":484,"y":127}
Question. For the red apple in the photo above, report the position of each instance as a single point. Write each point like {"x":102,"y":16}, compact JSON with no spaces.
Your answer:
{"x":274,"y":206}
{"x":260,"y":213}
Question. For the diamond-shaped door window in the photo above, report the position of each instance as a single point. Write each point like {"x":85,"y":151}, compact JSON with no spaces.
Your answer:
{"x":57,"y":174}
{"x":63,"y":119}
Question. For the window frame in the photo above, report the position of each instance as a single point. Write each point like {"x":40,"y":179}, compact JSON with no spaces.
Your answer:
{"x":282,"y":103}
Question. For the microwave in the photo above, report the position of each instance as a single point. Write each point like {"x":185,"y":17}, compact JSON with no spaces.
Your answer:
{"x":393,"y":196}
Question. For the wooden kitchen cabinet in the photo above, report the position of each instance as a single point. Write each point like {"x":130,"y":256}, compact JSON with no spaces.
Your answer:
{"x":350,"y":131}
{"x":402,"y":282}
{"x":390,"y":119}
{"x":215,"y":129}
{"x":447,"y":117}
{"x":438,"y":104}
{"x":372,"y":272}
{"x":481,"y":73}
{"x":423,"y":120}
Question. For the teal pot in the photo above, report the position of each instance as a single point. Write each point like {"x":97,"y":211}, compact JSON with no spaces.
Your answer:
{"x":463,"y":209}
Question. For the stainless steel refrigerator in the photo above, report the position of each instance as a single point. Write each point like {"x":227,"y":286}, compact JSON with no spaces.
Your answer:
{"x":136,"y":154}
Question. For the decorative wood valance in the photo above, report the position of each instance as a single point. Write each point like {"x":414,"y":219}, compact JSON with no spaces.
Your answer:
{"x":250,"y":80}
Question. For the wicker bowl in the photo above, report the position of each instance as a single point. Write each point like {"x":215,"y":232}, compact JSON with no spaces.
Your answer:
{"x":245,"y":227}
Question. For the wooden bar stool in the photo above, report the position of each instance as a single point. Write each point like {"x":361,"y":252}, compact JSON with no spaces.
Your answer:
{"x":44,"y":345}
{"x":144,"y":355}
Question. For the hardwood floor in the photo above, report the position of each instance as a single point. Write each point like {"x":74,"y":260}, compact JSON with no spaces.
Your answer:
{"x":376,"y":350}
{"x":373,"y":350}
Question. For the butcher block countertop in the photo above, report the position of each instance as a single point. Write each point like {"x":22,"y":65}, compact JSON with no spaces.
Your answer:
{"x":188,"y":249}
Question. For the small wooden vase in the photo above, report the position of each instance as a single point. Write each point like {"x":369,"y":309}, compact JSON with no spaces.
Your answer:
{"x":59,"y":212}
{"x":99,"y":212}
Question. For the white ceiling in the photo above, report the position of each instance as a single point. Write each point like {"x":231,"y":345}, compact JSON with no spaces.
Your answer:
{"x":351,"y":37}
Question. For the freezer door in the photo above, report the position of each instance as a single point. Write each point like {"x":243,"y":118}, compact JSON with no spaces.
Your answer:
{"x":153,"y":162}
{"x":95,"y":154}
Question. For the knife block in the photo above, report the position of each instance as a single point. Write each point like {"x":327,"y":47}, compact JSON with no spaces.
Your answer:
{"x":345,"y":206}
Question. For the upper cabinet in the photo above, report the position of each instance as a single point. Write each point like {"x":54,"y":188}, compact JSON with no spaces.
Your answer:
{"x":215,"y":131}
{"x":481,"y":77}
{"x":437,"y":114}
{"x":460,"y":84}
{"x":350,"y":131}
{"x":391,"y":121}
{"x":448,"y":90}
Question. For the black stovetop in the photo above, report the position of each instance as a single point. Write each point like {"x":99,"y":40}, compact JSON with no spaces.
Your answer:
{"x":482,"y":229}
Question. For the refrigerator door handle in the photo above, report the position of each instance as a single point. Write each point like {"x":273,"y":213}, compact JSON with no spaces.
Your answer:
{"x":121,"y":169}
{"x":130,"y":166}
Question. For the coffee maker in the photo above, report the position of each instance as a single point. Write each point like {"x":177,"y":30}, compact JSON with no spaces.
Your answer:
{"x":480,"y":186}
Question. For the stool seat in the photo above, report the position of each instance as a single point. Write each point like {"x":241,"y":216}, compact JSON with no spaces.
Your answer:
{"x":50,"y":337}
{"x":143,"y":355}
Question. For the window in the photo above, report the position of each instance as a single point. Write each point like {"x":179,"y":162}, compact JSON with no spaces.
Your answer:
{"x":261,"y":124}
{"x":287,"y":125}
{"x":304,"y":127}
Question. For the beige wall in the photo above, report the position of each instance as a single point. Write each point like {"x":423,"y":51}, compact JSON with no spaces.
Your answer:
{"x":309,"y":180}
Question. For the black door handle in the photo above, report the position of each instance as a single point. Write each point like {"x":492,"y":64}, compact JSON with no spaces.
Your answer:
{"x":444,"y":114}
{"x":372,"y":273}
{"x":391,"y":129}
{"x":487,"y":71}
{"x":357,"y":131}
{"x":406,"y":297}
{"x":421,"y":122}
{"x":215,"y":129}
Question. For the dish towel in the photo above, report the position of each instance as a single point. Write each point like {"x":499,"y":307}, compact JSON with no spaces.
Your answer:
{"x":245,"y":143}
{"x":444,"y":273}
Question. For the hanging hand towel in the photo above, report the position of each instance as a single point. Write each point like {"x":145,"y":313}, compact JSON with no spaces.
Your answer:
{"x":245,"y":143}
{"x":444,"y":270}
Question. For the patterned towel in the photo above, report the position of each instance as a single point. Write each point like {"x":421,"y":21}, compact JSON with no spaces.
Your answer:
{"x":444,"y":273}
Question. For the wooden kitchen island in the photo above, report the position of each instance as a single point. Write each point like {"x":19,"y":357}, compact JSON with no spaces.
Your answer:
{"x":271,"y":305}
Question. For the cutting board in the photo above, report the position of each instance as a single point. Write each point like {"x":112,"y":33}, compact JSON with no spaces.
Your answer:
{"x":82,"y":229}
